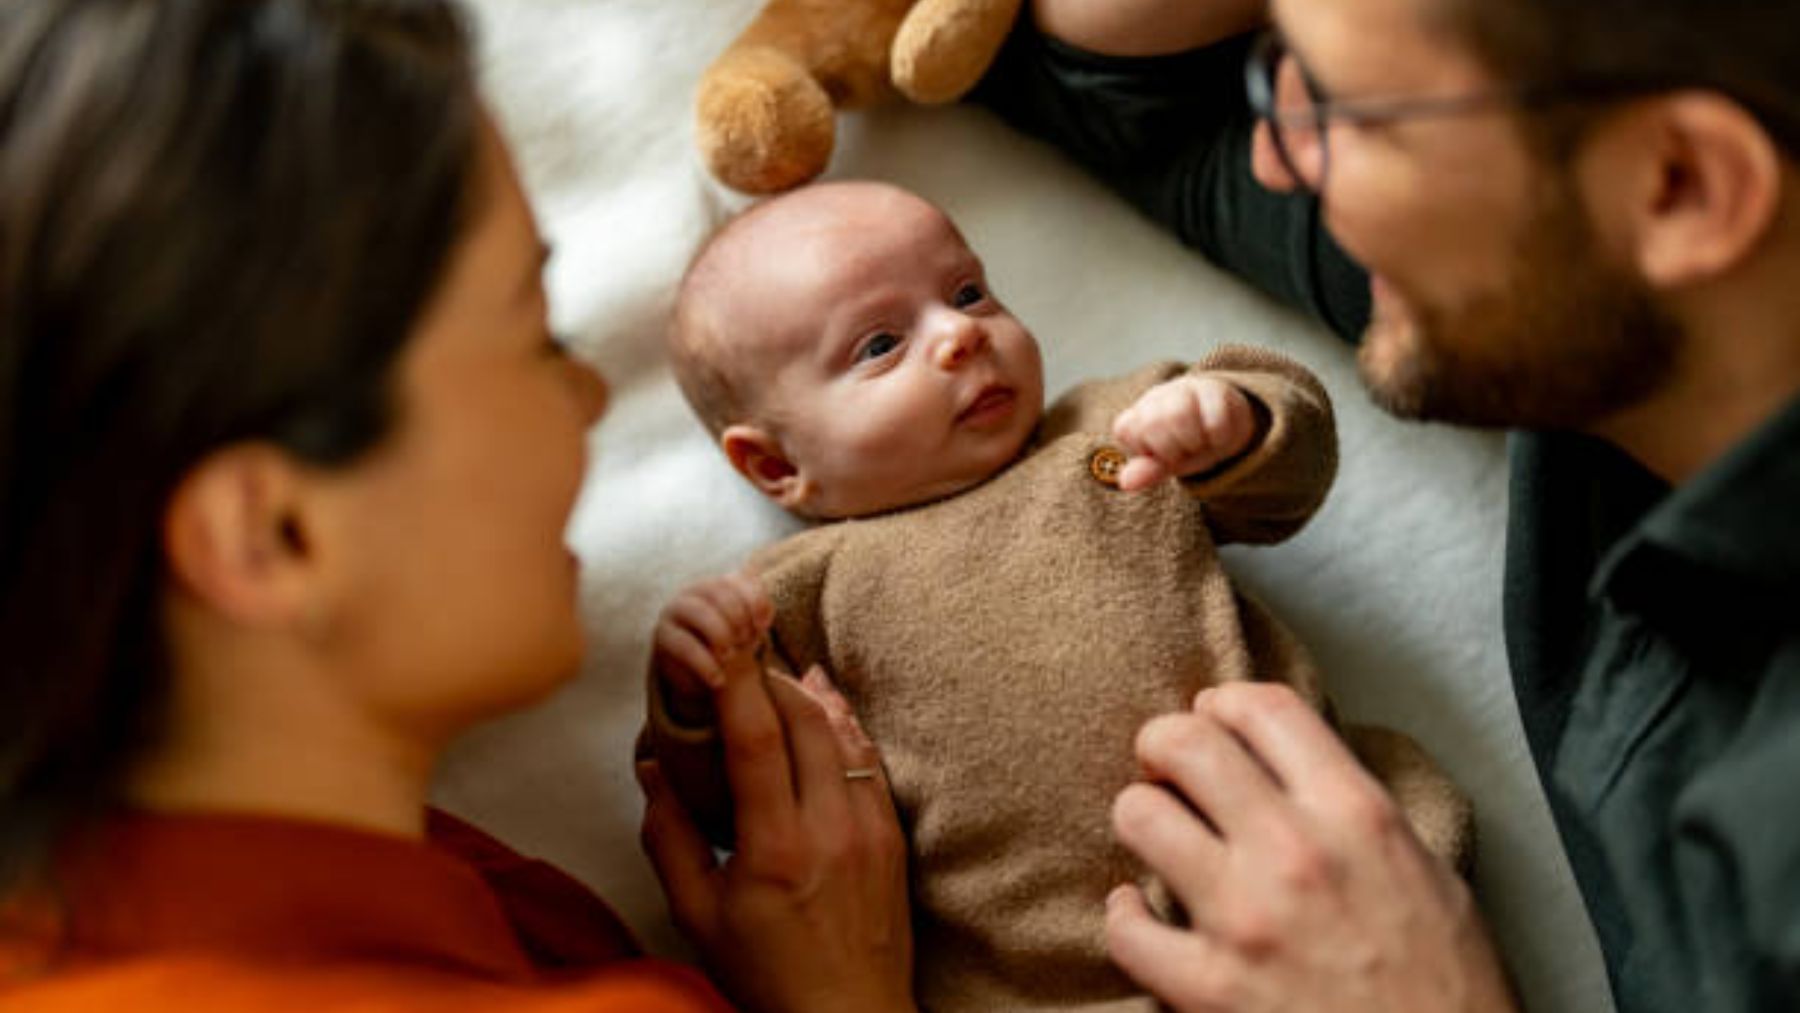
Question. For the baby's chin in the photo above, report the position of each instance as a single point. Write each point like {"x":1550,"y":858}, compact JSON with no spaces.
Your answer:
{"x":945,"y":486}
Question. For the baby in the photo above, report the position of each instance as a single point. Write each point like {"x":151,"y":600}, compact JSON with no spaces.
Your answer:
{"x":1004,"y":594}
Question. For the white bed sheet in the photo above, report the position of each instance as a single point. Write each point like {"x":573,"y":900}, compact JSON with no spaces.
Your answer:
{"x":1395,"y":585}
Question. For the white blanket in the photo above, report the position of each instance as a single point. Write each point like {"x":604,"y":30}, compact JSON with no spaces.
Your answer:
{"x":1395,"y":585}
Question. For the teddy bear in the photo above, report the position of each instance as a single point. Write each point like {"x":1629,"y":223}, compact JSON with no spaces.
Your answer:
{"x":766,"y":109}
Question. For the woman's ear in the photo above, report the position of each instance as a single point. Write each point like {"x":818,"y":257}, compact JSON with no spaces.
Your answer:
{"x":236,"y":537}
{"x":757,"y":455}
{"x":1714,"y":193}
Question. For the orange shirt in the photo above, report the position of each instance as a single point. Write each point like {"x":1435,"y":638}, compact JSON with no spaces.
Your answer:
{"x":215,"y":912}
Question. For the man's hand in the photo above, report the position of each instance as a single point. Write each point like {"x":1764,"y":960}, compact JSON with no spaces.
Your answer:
{"x":1182,"y":427}
{"x":1306,"y":887}
{"x":700,"y":627}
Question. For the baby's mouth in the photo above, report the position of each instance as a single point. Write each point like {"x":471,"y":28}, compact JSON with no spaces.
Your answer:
{"x":993,"y":403}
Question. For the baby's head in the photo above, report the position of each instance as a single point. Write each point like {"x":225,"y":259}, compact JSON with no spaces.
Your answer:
{"x":841,"y":343}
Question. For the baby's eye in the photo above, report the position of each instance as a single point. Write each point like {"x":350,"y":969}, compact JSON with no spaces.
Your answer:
{"x":877,"y":346}
{"x":968,"y":295}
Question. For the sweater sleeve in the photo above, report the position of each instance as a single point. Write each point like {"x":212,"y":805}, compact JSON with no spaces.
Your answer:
{"x":692,"y":756}
{"x":1270,"y":491}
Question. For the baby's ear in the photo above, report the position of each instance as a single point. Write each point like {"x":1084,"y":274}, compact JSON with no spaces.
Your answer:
{"x":758,"y":456}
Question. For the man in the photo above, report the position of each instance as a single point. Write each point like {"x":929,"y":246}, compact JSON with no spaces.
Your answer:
{"x":1580,"y":219}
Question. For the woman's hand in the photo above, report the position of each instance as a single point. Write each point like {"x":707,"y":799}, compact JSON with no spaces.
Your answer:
{"x":1306,"y":887}
{"x":810,"y":913}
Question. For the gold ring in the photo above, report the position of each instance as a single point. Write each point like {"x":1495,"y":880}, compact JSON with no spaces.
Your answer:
{"x":861,"y":774}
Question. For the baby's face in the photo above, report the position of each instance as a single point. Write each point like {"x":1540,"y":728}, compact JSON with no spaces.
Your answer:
{"x":889,"y":372}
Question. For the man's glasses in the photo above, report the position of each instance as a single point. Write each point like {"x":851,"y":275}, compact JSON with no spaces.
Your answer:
{"x":1299,"y":131}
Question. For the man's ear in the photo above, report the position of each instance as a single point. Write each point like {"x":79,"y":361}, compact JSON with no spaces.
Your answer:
{"x":236,"y":536}
{"x":757,"y":455}
{"x":1714,"y":194}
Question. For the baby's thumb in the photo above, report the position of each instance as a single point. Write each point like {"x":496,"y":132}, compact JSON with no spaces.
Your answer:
{"x":1141,"y":473}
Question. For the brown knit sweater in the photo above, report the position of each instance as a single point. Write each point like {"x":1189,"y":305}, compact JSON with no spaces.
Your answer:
{"x":1003,"y":647}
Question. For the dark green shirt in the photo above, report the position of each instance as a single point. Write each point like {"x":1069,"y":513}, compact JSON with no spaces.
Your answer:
{"x":1655,"y":645}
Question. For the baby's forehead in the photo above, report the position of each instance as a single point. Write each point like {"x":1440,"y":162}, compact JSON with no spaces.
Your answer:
{"x":780,"y":267}
{"x":859,"y":220}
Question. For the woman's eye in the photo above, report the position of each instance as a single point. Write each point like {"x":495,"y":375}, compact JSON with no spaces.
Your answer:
{"x":968,"y":296}
{"x":878,"y":346}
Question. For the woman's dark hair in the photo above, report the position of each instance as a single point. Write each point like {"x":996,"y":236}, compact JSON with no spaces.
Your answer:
{"x":1748,"y":50}
{"x":218,"y":222}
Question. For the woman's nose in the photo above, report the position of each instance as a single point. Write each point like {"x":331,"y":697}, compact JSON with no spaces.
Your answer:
{"x":591,"y":391}
{"x":960,"y":338}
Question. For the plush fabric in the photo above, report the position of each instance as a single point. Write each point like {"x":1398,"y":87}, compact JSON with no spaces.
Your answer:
{"x":1394,"y":587}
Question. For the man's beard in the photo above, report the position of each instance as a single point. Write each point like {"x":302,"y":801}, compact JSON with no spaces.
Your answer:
{"x":1568,"y":339}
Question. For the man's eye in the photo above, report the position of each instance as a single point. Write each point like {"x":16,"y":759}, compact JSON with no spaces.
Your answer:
{"x":877,"y":346}
{"x":968,"y":296}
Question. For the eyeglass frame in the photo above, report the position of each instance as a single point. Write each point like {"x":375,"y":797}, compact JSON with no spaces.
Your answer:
{"x":1263,"y":66}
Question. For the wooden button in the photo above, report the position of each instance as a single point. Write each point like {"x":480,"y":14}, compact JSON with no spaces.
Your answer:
{"x":1106,"y":464}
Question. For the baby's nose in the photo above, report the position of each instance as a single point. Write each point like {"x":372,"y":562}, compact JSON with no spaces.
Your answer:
{"x":961,"y":339}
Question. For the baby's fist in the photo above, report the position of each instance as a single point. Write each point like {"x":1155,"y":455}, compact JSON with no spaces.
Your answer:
{"x":701,"y":628}
{"x":1183,"y":427}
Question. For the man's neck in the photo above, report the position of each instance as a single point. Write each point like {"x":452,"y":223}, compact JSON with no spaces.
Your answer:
{"x":1734,"y":373}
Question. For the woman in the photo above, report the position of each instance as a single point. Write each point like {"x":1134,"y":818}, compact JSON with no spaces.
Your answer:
{"x":286,"y":452}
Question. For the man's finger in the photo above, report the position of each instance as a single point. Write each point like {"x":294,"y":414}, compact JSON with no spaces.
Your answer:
{"x":1212,"y":769}
{"x":1286,"y":735}
{"x":1182,"y":967}
{"x":1172,"y":841}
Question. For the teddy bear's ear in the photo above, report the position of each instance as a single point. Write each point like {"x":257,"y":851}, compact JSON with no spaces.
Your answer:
{"x":762,"y":123}
{"x":945,"y":46}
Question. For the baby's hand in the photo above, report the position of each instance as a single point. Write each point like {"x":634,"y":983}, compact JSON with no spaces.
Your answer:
{"x":1183,"y":427}
{"x":700,"y":630}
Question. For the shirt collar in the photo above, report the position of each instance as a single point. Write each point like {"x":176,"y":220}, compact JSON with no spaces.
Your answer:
{"x":278,"y":889}
{"x":1735,"y":524}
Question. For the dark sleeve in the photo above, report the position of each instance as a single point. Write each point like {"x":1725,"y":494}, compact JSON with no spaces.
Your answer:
{"x":1172,"y":135}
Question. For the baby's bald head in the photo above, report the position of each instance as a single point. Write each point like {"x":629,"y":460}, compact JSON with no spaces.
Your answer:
{"x":722,"y":341}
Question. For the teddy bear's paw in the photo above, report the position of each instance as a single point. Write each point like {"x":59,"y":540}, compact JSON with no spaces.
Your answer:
{"x":945,"y":46}
{"x":762,"y":123}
